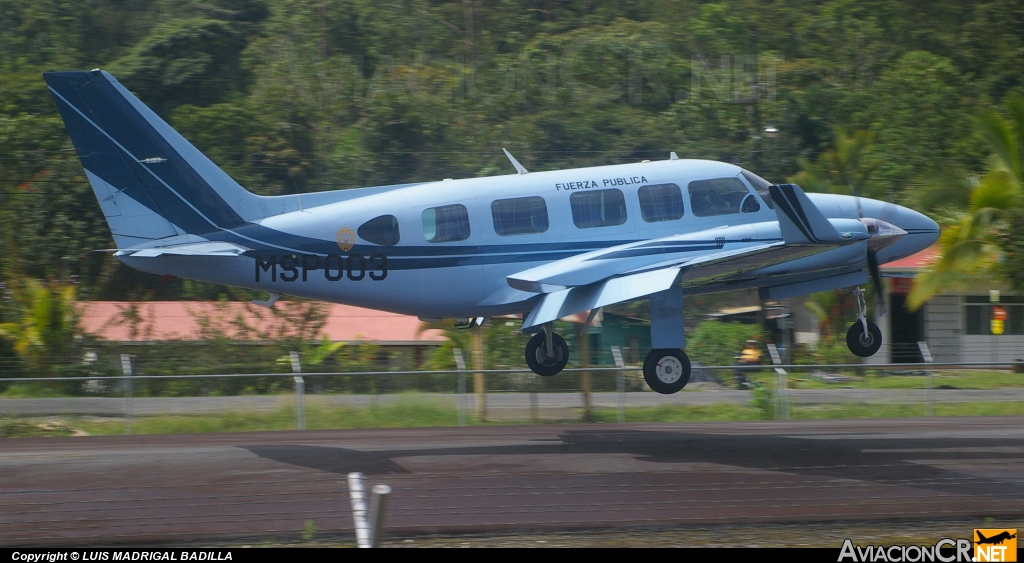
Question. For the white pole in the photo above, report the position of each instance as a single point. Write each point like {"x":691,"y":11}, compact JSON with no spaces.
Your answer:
{"x":126,"y":369}
{"x":620,"y":383}
{"x":460,"y":364}
{"x":926,"y":355}
{"x":781,"y":393}
{"x":358,"y":495}
{"x":300,"y":393}
{"x":378,"y":502}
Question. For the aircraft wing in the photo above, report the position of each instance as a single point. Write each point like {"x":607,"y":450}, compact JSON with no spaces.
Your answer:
{"x":643,"y":281}
{"x":211,"y":248}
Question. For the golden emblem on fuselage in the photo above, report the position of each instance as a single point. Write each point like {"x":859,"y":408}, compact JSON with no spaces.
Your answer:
{"x":346,"y":239}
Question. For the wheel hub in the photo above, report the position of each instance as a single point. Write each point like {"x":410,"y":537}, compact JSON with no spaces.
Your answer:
{"x":669,"y":369}
{"x":545,"y":359}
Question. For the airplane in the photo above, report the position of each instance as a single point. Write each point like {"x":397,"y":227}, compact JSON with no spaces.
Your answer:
{"x":543,"y":245}
{"x":998,"y":538}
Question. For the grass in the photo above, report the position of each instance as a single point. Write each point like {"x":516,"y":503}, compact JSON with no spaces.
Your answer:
{"x":874,"y":380}
{"x":31,"y":391}
{"x":670,"y":413}
{"x":416,"y":410}
{"x":406,"y":412}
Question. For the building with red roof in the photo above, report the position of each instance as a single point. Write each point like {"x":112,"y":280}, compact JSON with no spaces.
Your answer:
{"x":956,"y":325}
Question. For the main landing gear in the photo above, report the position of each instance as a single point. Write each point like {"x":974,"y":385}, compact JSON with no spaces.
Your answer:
{"x":667,"y":370}
{"x":547,"y":353}
{"x":864,"y":338}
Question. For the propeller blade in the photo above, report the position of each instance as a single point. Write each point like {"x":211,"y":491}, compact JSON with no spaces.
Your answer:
{"x":876,"y":280}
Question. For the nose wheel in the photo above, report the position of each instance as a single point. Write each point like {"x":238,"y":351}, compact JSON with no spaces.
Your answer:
{"x":864,"y":338}
{"x":541,"y":360}
{"x":864,"y":343}
{"x":666,"y":371}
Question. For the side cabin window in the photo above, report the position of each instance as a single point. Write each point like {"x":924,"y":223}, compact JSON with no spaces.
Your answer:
{"x":601,"y":208}
{"x":381,"y":230}
{"x":448,"y":223}
{"x":661,"y":202}
{"x":519,"y":216}
{"x":720,"y":196}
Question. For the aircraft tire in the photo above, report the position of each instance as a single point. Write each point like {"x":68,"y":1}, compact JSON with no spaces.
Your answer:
{"x":862,"y":344}
{"x":537,"y":357}
{"x":667,"y":370}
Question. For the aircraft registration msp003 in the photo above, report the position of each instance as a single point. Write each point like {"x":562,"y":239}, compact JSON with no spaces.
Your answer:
{"x":542,"y":244}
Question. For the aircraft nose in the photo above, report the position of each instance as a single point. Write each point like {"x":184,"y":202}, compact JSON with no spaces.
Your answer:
{"x":919,"y":224}
{"x":921,"y":231}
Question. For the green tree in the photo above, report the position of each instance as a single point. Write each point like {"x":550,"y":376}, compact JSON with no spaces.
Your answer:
{"x":45,"y":332}
{"x":845,"y":168}
{"x":974,"y":241}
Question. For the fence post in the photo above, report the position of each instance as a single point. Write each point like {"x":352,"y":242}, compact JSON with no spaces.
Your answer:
{"x":781,"y":393}
{"x":300,"y":393}
{"x":584,"y":348}
{"x":534,"y":409}
{"x":479,"y":384}
{"x":460,"y":364}
{"x":926,"y":355}
{"x":620,"y":384}
{"x":126,"y":369}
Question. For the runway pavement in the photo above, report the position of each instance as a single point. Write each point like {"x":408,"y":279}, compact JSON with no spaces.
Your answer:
{"x":266,"y":487}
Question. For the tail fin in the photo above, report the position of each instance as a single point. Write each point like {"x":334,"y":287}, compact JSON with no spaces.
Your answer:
{"x":981,"y":537}
{"x":150,"y":181}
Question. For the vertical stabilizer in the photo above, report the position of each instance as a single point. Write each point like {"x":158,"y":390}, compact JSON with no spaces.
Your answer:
{"x":150,"y":181}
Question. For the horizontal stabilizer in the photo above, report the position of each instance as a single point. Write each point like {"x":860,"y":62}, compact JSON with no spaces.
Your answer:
{"x":800,"y":220}
{"x":193,"y":249}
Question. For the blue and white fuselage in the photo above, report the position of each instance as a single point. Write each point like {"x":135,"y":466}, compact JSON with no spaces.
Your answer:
{"x":543,"y":244}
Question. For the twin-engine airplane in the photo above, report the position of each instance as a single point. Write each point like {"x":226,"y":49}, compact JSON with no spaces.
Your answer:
{"x":542,"y":244}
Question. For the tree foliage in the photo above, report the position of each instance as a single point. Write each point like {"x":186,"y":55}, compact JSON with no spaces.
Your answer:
{"x":981,"y":239}
{"x":307,"y":95}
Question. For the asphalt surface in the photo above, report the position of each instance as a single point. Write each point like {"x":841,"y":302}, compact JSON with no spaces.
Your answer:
{"x":519,"y":402}
{"x":269,"y":487}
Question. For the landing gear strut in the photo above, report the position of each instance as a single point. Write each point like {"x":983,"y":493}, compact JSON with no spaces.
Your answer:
{"x":667,"y":370}
{"x":864,"y":338}
{"x":547,"y":353}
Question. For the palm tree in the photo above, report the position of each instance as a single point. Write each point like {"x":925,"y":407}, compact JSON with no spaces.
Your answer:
{"x":47,"y":325}
{"x":971,"y":243}
{"x":845,"y":168}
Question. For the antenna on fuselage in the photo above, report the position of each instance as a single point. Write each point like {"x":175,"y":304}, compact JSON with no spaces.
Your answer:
{"x":519,"y":167}
{"x":673,"y":156}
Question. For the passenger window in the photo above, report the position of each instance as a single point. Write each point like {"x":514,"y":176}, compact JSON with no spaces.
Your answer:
{"x":603,"y":208}
{"x":448,"y":223}
{"x":661,"y":202}
{"x":760,"y":186}
{"x":720,"y":196}
{"x":520,"y":216}
{"x":381,"y":230}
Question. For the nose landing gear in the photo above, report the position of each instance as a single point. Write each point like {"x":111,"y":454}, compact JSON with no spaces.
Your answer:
{"x":864,"y":338}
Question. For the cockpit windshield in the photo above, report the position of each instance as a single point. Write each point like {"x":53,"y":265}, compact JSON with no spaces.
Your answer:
{"x":760,"y":186}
